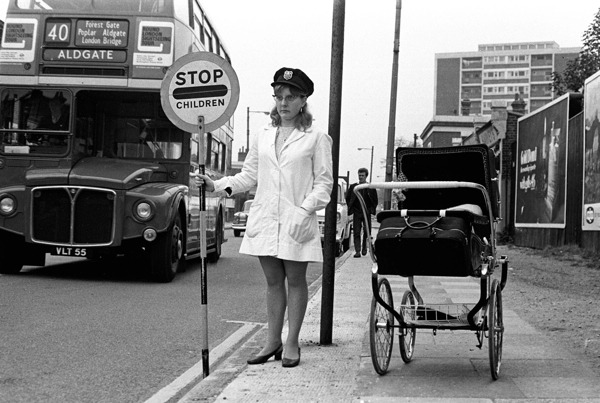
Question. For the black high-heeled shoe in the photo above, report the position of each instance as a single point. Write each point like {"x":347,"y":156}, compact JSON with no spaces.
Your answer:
{"x":289,"y":362}
{"x":261,"y":359}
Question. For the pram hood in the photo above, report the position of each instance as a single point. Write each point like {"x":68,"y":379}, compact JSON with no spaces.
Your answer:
{"x":472,"y":163}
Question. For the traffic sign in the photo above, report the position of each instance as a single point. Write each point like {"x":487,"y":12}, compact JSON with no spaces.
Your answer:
{"x":199,"y":84}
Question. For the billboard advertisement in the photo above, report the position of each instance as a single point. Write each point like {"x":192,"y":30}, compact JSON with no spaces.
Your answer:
{"x":591,"y":147}
{"x":542,"y":166}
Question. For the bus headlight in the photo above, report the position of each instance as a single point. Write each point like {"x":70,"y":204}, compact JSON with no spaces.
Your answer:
{"x":8,"y":204}
{"x":143,"y":211}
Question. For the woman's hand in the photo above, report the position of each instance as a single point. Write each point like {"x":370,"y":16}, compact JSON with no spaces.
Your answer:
{"x":301,"y":230}
{"x":201,"y":179}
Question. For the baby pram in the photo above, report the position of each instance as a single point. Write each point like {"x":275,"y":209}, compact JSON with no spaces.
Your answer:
{"x":445,"y":226}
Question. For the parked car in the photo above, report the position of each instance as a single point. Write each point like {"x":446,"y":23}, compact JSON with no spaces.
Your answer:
{"x":241,"y":218}
{"x":343,"y":226}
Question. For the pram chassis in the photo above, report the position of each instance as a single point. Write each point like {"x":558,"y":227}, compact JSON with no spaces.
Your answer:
{"x":484,"y":317}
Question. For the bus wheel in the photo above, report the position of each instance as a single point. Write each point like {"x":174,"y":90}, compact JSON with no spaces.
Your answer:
{"x":12,"y":251}
{"x":213,"y":257}
{"x":166,"y":253}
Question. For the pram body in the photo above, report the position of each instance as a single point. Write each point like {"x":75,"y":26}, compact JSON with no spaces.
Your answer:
{"x":445,"y":226}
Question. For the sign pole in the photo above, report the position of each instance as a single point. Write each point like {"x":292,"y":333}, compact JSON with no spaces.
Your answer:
{"x":199,"y":93}
{"x":203,"y":276}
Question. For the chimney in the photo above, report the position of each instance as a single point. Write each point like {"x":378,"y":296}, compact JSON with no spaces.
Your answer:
{"x":242,"y":154}
{"x":499,"y":118}
{"x":498,"y":111}
{"x":465,"y":107}
{"x":518,"y":105}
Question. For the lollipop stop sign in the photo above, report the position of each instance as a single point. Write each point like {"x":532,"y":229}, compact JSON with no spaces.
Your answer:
{"x":199,"y":93}
{"x":199,"y":84}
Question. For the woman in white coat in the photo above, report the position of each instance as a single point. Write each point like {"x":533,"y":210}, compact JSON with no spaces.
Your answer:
{"x":290,"y":164}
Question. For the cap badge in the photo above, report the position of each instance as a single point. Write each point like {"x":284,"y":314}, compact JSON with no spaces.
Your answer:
{"x":288,"y":74}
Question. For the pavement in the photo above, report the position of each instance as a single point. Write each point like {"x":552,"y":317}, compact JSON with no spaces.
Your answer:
{"x":446,"y":367}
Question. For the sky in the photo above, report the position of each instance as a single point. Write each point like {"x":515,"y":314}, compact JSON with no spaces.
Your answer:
{"x":263,"y":35}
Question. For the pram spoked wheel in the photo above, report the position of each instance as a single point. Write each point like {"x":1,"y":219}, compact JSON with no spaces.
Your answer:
{"x":495,"y":328}
{"x":381,"y":328}
{"x":408,"y":311}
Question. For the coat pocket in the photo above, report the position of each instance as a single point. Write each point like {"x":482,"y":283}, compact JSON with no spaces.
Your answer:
{"x":253,"y":225}
{"x":301,"y":228}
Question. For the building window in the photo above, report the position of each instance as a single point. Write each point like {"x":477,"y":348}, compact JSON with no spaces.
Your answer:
{"x":541,"y":91}
{"x":471,"y":77}
{"x":517,"y":89}
{"x":541,"y":75}
{"x":470,"y":92}
{"x":223,"y":158}
{"x":517,"y":73}
{"x":471,"y":62}
{"x":518,"y":59}
{"x":493,"y":59}
{"x":494,"y":74}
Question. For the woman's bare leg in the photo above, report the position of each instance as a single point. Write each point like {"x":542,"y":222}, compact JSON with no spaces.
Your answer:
{"x":297,"y":302}
{"x":274,"y":271}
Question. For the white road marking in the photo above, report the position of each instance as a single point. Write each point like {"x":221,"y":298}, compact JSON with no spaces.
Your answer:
{"x":191,"y":375}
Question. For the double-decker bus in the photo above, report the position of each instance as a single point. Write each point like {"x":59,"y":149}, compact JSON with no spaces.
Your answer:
{"x":90,"y":166}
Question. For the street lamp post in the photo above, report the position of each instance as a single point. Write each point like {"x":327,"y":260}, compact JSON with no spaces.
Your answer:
{"x":371,"y":171}
{"x":248,"y":112}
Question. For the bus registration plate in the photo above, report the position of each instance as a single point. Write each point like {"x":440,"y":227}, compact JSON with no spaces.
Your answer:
{"x":68,"y":251}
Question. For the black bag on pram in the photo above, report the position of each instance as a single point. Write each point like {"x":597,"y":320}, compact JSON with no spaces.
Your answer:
{"x":427,"y":245}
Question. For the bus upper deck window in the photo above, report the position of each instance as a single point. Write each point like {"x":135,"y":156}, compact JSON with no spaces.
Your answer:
{"x":53,"y":4}
{"x":139,"y":6}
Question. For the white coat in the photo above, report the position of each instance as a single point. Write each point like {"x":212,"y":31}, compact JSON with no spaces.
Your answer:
{"x":282,"y":221}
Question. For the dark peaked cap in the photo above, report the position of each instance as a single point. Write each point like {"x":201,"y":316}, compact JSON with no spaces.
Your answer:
{"x":295,"y":78}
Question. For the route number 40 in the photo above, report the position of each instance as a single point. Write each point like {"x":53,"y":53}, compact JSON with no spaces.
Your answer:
{"x":57,"y":32}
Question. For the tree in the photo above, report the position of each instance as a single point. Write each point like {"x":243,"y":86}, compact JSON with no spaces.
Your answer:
{"x":406,"y":142}
{"x":586,"y":64}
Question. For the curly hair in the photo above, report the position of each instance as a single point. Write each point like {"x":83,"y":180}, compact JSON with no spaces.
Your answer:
{"x":303,"y":120}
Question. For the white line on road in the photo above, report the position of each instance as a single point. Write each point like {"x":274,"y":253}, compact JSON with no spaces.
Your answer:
{"x":191,"y":375}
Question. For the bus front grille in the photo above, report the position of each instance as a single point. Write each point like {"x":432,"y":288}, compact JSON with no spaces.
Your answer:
{"x":84,"y":71}
{"x":72,"y":215}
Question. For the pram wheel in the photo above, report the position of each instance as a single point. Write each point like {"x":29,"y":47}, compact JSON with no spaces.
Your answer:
{"x":381,"y":326}
{"x":408,"y":335}
{"x":495,"y":328}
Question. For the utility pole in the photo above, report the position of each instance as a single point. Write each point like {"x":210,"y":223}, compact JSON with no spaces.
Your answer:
{"x":389,"y":161}
{"x":335,"y":114}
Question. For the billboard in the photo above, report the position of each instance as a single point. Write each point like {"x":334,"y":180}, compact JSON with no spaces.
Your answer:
{"x":542,"y":166}
{"x":591,"y":151}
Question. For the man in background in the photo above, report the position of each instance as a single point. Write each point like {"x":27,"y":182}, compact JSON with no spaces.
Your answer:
{"x":361,"y":234}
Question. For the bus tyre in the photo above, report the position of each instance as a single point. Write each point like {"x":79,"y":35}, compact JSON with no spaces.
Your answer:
{"x":213,"y":257}
{"x":12,"y":251}
{"x":166,"y":253}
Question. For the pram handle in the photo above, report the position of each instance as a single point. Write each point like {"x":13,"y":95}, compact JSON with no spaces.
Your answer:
{"x":419,"y":185}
